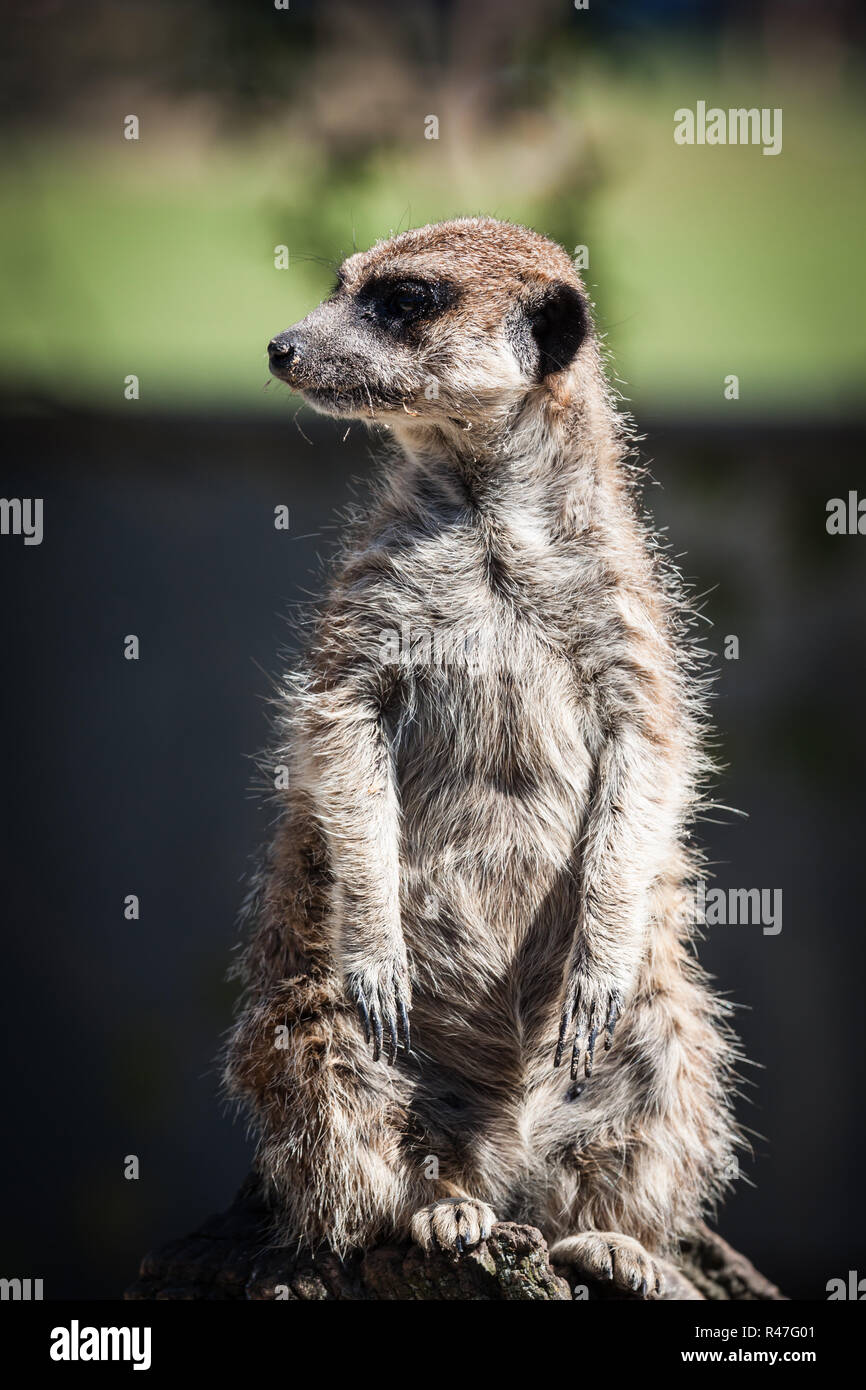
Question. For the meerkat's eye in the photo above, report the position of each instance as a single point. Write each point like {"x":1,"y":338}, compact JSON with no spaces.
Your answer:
{"x":409,"y":300}
{"x":397,"y":304}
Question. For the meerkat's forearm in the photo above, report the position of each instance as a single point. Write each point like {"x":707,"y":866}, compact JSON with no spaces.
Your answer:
{"x":351,"y":778}
{"x":633,"y":822}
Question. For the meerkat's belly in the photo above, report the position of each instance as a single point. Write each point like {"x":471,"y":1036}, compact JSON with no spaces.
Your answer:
{"x":494,"y":778}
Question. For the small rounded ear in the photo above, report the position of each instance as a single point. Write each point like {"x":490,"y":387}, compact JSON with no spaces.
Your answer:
{"x":559,"y":322}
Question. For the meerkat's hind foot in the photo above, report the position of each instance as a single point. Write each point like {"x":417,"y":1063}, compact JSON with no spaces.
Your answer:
{"x":453,"y":1223}
{"x":607,"y":1256}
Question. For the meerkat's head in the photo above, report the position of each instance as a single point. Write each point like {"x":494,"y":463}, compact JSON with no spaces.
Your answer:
{"x":452,"y":323}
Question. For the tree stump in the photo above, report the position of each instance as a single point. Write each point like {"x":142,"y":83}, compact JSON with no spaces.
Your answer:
{"x":231,"y":1257}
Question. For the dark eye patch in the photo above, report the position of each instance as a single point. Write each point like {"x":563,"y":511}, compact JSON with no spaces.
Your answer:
{"x":397,"y":303}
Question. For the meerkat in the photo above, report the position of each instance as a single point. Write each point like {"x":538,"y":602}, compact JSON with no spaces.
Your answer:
{"x":470,"y":987}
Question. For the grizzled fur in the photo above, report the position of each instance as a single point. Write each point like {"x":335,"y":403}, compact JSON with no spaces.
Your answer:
{"x":487,"y":835}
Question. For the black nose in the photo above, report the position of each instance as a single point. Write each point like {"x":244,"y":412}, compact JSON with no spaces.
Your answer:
{"x":283,"y":350}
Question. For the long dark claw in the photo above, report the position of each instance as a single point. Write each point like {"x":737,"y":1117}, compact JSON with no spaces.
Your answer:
{"x":575,"y":1056}
{"x":565,"y":1024}
{"x":611,"y":1024}
{"x":377,"y":1034}
{"x":392,"y":1030}
{"x":590,"y":1052}
{"x":404,"y":1024}
{"x":364,"y":1015}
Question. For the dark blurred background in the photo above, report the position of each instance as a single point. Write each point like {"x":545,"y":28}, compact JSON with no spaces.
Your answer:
{"x":305,"y":128}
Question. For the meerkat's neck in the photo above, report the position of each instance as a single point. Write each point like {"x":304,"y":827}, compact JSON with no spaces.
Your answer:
{"x":550,"y":464}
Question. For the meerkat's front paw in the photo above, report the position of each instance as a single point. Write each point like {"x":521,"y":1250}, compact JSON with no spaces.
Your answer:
{"x":608,"y":1256}
{"x":381,"y":996}
{"x":455,"y":1223}
{"x":592,"y":1003}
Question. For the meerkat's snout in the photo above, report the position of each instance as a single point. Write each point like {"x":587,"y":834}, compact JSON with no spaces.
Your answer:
{"x":450,"y":322}
{"x":343,"y":359}
{"x":281,"y":353}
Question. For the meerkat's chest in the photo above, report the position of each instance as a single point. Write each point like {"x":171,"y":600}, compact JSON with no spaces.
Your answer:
{"x":491,"y":738}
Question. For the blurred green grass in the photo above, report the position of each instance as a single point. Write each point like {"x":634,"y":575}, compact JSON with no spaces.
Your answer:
{"x":157,"y":258}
